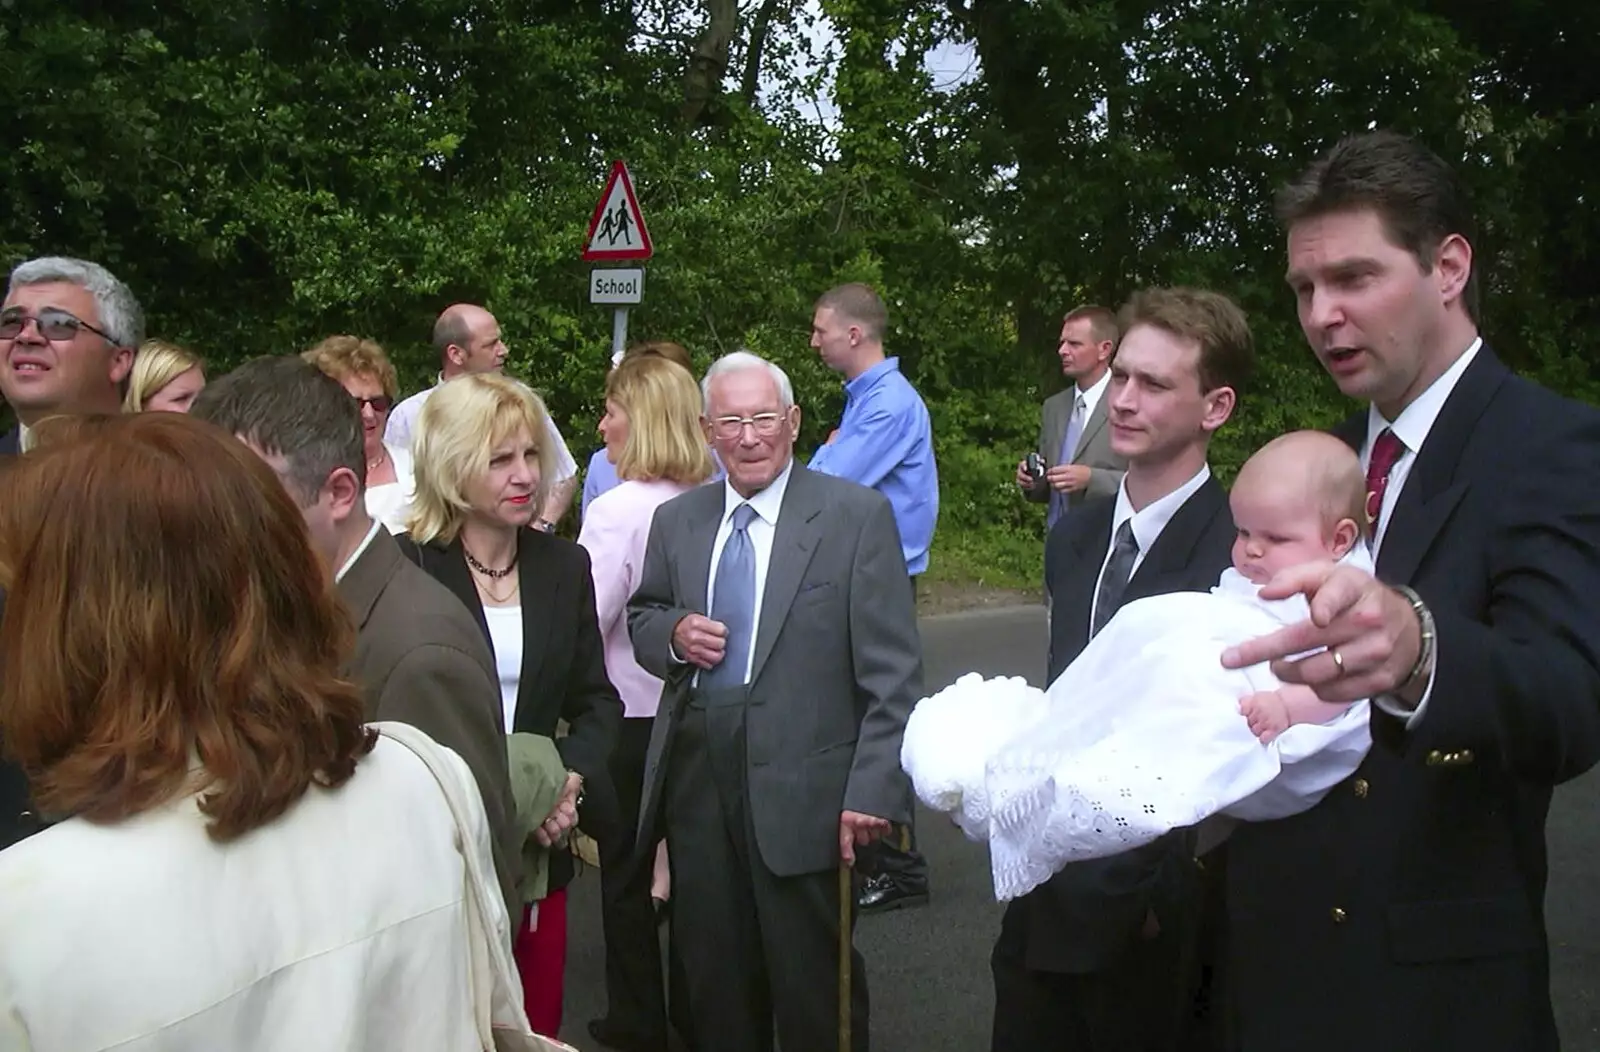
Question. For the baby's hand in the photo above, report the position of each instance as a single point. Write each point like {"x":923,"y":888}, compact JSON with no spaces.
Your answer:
{"x":1267,"y":713}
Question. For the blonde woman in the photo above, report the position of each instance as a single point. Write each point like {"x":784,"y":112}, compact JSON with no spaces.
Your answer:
{"x":365,"y":372}
{"x":165,"y":378}
{"x":653,"y":439}
{"x":483,"y":463}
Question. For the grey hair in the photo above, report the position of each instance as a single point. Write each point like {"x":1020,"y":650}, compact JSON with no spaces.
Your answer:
{"x":739,"y":361}
{"x":120,"y":314}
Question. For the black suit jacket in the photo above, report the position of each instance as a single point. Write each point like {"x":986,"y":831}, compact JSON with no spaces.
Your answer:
{"x":1406,"y":911}
{"x":563,"y":664}
{"x":17,"y":819}
{"x":1088,"y":915}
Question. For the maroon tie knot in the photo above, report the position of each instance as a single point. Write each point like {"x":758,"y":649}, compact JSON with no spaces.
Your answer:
{"x":1386,"y":449}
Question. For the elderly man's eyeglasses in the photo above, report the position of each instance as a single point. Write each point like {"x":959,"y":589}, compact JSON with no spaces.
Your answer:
{"x":54,"y":324}
{"x":766,"y":425}
{"x":379,"y":404}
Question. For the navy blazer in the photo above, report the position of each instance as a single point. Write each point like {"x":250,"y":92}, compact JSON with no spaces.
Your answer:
{"x":1406,"y":911}
{"x":1084,"y":919}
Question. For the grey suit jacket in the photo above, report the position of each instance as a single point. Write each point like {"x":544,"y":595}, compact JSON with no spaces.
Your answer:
{"x":421,"y":659}
{"x":837,"y":668}
{"x":1094,"y":448}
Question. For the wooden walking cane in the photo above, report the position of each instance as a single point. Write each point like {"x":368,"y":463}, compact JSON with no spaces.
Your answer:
{"x":846,"y":901}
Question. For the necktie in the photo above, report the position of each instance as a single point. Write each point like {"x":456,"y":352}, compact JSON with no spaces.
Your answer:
{"x":1114,"y":578}
{"x":733,"y":602}
{"x":1386,"y":449}
{"x":1069,"y":449}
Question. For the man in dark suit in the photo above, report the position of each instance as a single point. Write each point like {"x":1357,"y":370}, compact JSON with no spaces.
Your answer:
{"x":68,"y":332}
{"x":1074,"y":441}
{"x":419,"y":655}
{"x":1102,"y":956}
{"x":1406,"y":910}
{"x":776,"y":749}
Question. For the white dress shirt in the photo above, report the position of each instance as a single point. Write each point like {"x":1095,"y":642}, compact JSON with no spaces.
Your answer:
{"x":402,"y":429}
{"x":766,"y":504}
{"x":1411,"y":427}
{"x":1090,"y":399}
{"x":1148,"y":522}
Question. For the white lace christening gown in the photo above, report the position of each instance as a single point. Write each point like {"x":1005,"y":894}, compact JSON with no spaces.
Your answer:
{"x":1140,"y":735}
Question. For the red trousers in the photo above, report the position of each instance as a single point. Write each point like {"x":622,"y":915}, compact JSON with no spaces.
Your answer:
{"x":541,"y":957}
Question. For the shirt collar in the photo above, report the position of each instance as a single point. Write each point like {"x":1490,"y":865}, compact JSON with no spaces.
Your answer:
{"x":24,"y":437}
{"x":1153,"y":518}
{"x":359,"y":552}
{"x":1091,"y":397}
{"x":1415,"y":421}
{"x":869,"y":379}
{"x":766,"y":504}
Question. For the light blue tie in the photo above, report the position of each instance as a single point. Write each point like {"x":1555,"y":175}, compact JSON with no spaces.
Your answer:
{"x":1069,"y":449}
{"x":733,"y":602}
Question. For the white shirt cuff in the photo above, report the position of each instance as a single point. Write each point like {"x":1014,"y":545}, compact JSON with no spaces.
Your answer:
{"x":1395,"y":707}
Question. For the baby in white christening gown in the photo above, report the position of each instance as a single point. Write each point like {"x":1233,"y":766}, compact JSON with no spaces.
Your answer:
{"x":1145,"y":731}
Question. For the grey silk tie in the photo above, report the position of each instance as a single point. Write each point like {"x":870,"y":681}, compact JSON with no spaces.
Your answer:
{"x":1069,"y":449}
{"x":1114,"y":578}
{"x":734,"y":603}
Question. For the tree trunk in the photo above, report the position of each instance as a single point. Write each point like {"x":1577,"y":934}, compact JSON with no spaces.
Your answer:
{"x":709,"y":61}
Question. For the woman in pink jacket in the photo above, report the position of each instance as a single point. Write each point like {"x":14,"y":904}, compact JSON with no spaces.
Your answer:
{"x":653,"y":437}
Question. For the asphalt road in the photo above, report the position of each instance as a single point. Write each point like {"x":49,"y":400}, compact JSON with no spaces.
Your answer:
{"x":929,"y":968}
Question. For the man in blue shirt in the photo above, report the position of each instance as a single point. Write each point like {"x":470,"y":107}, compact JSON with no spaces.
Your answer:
{"x":884,"y":441}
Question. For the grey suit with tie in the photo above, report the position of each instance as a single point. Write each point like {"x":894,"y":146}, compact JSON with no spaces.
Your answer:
{"x":1093,"y":448}
{"x":750,"y":793}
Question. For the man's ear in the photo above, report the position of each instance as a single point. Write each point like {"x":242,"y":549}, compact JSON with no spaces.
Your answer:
{"x":1452,"y":266}
{"x":1219,"y":407}
{"x":794,"y":418}
{"x":121,"y":364}
{"x":1345,"y":535}
{"x":456,"y":354}
{"x":343,"y":493}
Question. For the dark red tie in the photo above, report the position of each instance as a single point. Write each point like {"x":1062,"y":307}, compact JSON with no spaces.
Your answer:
{"x":1386,"y":449}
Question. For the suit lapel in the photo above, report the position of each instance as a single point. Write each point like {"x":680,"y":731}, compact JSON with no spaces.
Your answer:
{"x":369,"y":576}
{"x":1091,"y":427}
{"x":543,"y":590}
{"x":1055,"y":425}
{"x":700,"y":531}
{"x":1433,"y":487}
{"x":1093,"y":540}
{"x":794,"y":542}
{"x":1174,"y":549}
{"x":449,"y":566}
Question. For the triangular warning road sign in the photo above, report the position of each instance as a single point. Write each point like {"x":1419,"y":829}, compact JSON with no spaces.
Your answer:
{"x":617,"y":229}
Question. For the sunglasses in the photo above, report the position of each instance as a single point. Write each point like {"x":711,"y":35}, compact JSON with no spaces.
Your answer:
{"x":54,"y":324}
{"x":379,"y":404}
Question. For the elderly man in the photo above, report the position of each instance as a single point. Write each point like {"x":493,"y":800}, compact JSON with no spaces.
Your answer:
{"x":68,"y":330}
{"x":468,"y":340}
{"x":419,"y":655}
{"x":777,"y":610}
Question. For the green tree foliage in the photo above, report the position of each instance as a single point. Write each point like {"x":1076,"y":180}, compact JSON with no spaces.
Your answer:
{"x":265,"y":173}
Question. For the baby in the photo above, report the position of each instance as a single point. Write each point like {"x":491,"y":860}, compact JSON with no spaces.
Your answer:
{"x":1143,"y":732}
{"x":1300,"y":499}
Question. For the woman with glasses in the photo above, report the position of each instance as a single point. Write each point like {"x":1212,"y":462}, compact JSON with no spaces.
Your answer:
{"x":483,"y":464}
{"x":165,"y":379}
{"x":238,"y":862}
{"x":364,"y":370}
{"x":654,"y":441}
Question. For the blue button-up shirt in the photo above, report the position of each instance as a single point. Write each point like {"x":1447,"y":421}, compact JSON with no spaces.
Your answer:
{"x":886,"y":441}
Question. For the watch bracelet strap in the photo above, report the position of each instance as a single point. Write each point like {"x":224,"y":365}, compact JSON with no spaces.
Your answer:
{"x":1428,"y":630}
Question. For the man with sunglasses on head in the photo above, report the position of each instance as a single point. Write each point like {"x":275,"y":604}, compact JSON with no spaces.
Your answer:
{"x":68,"y":330}
{"x":67,"y":333}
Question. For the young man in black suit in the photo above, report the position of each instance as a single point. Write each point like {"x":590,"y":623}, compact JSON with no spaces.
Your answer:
{"x":1101,"y":957}
{"x":1406,"y":910}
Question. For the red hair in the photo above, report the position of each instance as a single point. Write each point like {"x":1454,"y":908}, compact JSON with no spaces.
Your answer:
{"x":166,"y":606}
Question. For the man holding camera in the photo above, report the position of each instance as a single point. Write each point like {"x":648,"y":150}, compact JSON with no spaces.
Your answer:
{"x":1075,"y":460}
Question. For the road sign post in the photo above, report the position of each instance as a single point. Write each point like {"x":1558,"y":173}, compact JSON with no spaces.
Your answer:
{"x":617,"y":233}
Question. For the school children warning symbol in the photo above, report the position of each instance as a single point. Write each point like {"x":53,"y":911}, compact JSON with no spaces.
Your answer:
{"x":617,"y":230}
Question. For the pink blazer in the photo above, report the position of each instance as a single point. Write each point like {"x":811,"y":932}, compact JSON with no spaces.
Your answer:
{"x":615,"y":529}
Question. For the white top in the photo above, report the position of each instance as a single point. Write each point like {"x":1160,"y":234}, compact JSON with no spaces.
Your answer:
{"x":1411,"y":427}
{"x":1091,"y":397}
{"x":365,"y":919}
{"x":390,"y":503}
{"x":766,"y":504}
{"x":505,"y":639}
{"x":1148,"y":522}
{"x":403,"y":425}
